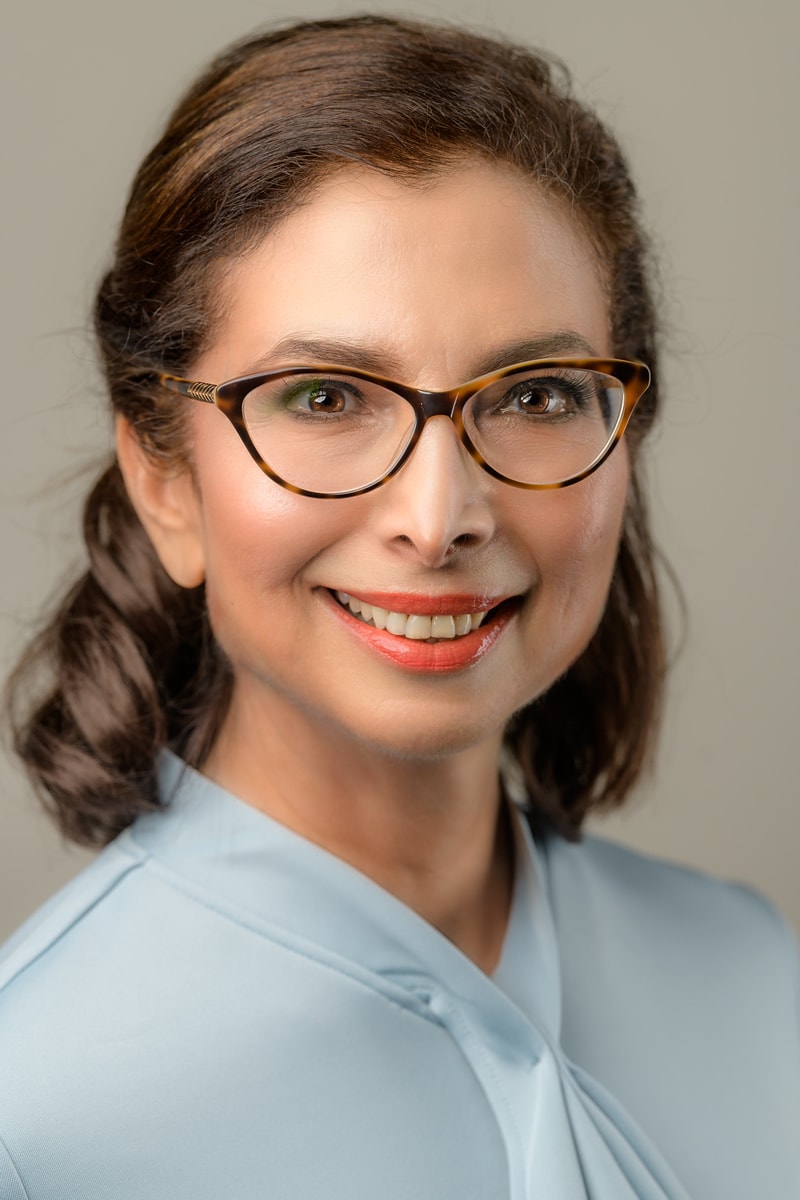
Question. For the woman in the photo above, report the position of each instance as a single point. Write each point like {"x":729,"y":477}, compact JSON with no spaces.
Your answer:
{"x":324,"y":952}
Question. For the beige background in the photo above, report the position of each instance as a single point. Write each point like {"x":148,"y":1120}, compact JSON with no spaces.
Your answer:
{"x":704,"y":96}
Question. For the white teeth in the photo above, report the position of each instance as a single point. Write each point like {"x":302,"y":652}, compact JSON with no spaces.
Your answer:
{"x":443,"y":627}
{"x":396,"y":623}
{"x":416,"y":626}
{"x":379,"y":616}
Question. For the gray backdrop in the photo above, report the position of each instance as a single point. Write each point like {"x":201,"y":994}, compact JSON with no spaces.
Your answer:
{"x":704,"y":96}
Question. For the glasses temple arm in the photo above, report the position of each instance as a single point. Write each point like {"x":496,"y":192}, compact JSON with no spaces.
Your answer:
{"x":186,"y":387}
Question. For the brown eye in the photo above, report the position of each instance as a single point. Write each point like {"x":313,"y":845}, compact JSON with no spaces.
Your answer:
{"x":323,"y":397}
{"x":327,"y":398}
{"x":540,"y":400}
{"x":307,"y":396}
{"x":566,"y":394}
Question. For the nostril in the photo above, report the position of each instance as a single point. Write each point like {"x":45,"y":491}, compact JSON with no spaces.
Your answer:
{"x":463,"y":542}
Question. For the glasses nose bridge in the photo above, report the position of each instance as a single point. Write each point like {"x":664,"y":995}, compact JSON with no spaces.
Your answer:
{"x":435,"y":404}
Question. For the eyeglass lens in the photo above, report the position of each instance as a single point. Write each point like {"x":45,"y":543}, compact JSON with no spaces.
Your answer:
{"x":336,"y":433}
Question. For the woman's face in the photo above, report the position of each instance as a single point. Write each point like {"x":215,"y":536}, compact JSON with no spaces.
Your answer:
{"x":430,"y":285}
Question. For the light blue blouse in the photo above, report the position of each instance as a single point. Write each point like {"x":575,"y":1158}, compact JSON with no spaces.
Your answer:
{"x":217,"y":1008}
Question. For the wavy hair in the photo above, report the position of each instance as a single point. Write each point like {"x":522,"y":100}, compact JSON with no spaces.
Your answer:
{"x":128,"y":663}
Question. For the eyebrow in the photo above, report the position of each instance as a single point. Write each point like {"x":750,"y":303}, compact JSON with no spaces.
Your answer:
{"x":563,"y":342}
{"x":308,"y":349}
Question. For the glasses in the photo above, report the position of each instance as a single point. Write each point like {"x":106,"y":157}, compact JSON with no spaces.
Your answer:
{"x":331,"y":431}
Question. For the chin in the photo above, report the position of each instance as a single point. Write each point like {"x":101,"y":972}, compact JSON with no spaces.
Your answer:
{"x":427,"y":734}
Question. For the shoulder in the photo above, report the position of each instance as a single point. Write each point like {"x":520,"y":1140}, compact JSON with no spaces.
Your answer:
{"x":640,"y":898}
{"x":116,"y":1003}
{"x":694,"y":978}
{"x":62,"y":918}
{"x":77,"y":959}
{"x":55,"y":976}
{"x":654,"y":922}
{"x":681,"y":995}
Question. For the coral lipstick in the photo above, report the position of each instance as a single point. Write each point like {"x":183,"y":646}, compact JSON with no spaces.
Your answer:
{"x":450,"y":654}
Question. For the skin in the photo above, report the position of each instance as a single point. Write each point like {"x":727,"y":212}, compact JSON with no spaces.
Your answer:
{"x":392,"y":770}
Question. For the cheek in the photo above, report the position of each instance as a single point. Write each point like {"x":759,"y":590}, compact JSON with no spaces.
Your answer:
{"x":252,"y":537}
{"x":598,"y":522}
{"x":257,"y":540}
{"x":579,"y":543}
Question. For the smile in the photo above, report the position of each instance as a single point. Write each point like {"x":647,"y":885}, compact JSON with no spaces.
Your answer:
{"x":437,"y":635}
{"x":417,"y":627}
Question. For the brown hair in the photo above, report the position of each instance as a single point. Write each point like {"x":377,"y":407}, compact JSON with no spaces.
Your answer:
{"x":130,"y":662}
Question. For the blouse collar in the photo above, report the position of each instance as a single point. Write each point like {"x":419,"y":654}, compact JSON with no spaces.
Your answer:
{"x":566,"y":1136}
{"x":250,"y":862}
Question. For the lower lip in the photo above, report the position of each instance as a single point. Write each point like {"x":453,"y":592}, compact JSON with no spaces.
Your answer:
{"x":446,"y":656}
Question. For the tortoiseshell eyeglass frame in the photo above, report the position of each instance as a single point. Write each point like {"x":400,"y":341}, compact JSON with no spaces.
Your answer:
{"x":229,"y":398}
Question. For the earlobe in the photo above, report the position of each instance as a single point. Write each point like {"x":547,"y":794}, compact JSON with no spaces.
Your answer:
{"x":166,"y":502}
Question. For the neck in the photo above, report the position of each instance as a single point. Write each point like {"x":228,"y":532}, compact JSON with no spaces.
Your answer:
{"x":433,"y":833}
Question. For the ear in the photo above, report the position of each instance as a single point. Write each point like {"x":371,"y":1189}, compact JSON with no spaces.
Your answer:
{"x":167,"y":504}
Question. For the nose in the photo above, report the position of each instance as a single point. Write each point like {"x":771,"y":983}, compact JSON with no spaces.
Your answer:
{"x":439,"y":502}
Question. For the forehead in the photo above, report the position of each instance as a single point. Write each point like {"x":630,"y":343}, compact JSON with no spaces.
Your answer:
{"x":431,"y":272}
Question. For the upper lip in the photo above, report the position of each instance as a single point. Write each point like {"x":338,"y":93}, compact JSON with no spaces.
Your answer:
{"x":417,"y":603}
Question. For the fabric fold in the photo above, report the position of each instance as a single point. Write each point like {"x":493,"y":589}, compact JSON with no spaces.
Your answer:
{"x":565,"y":1137}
